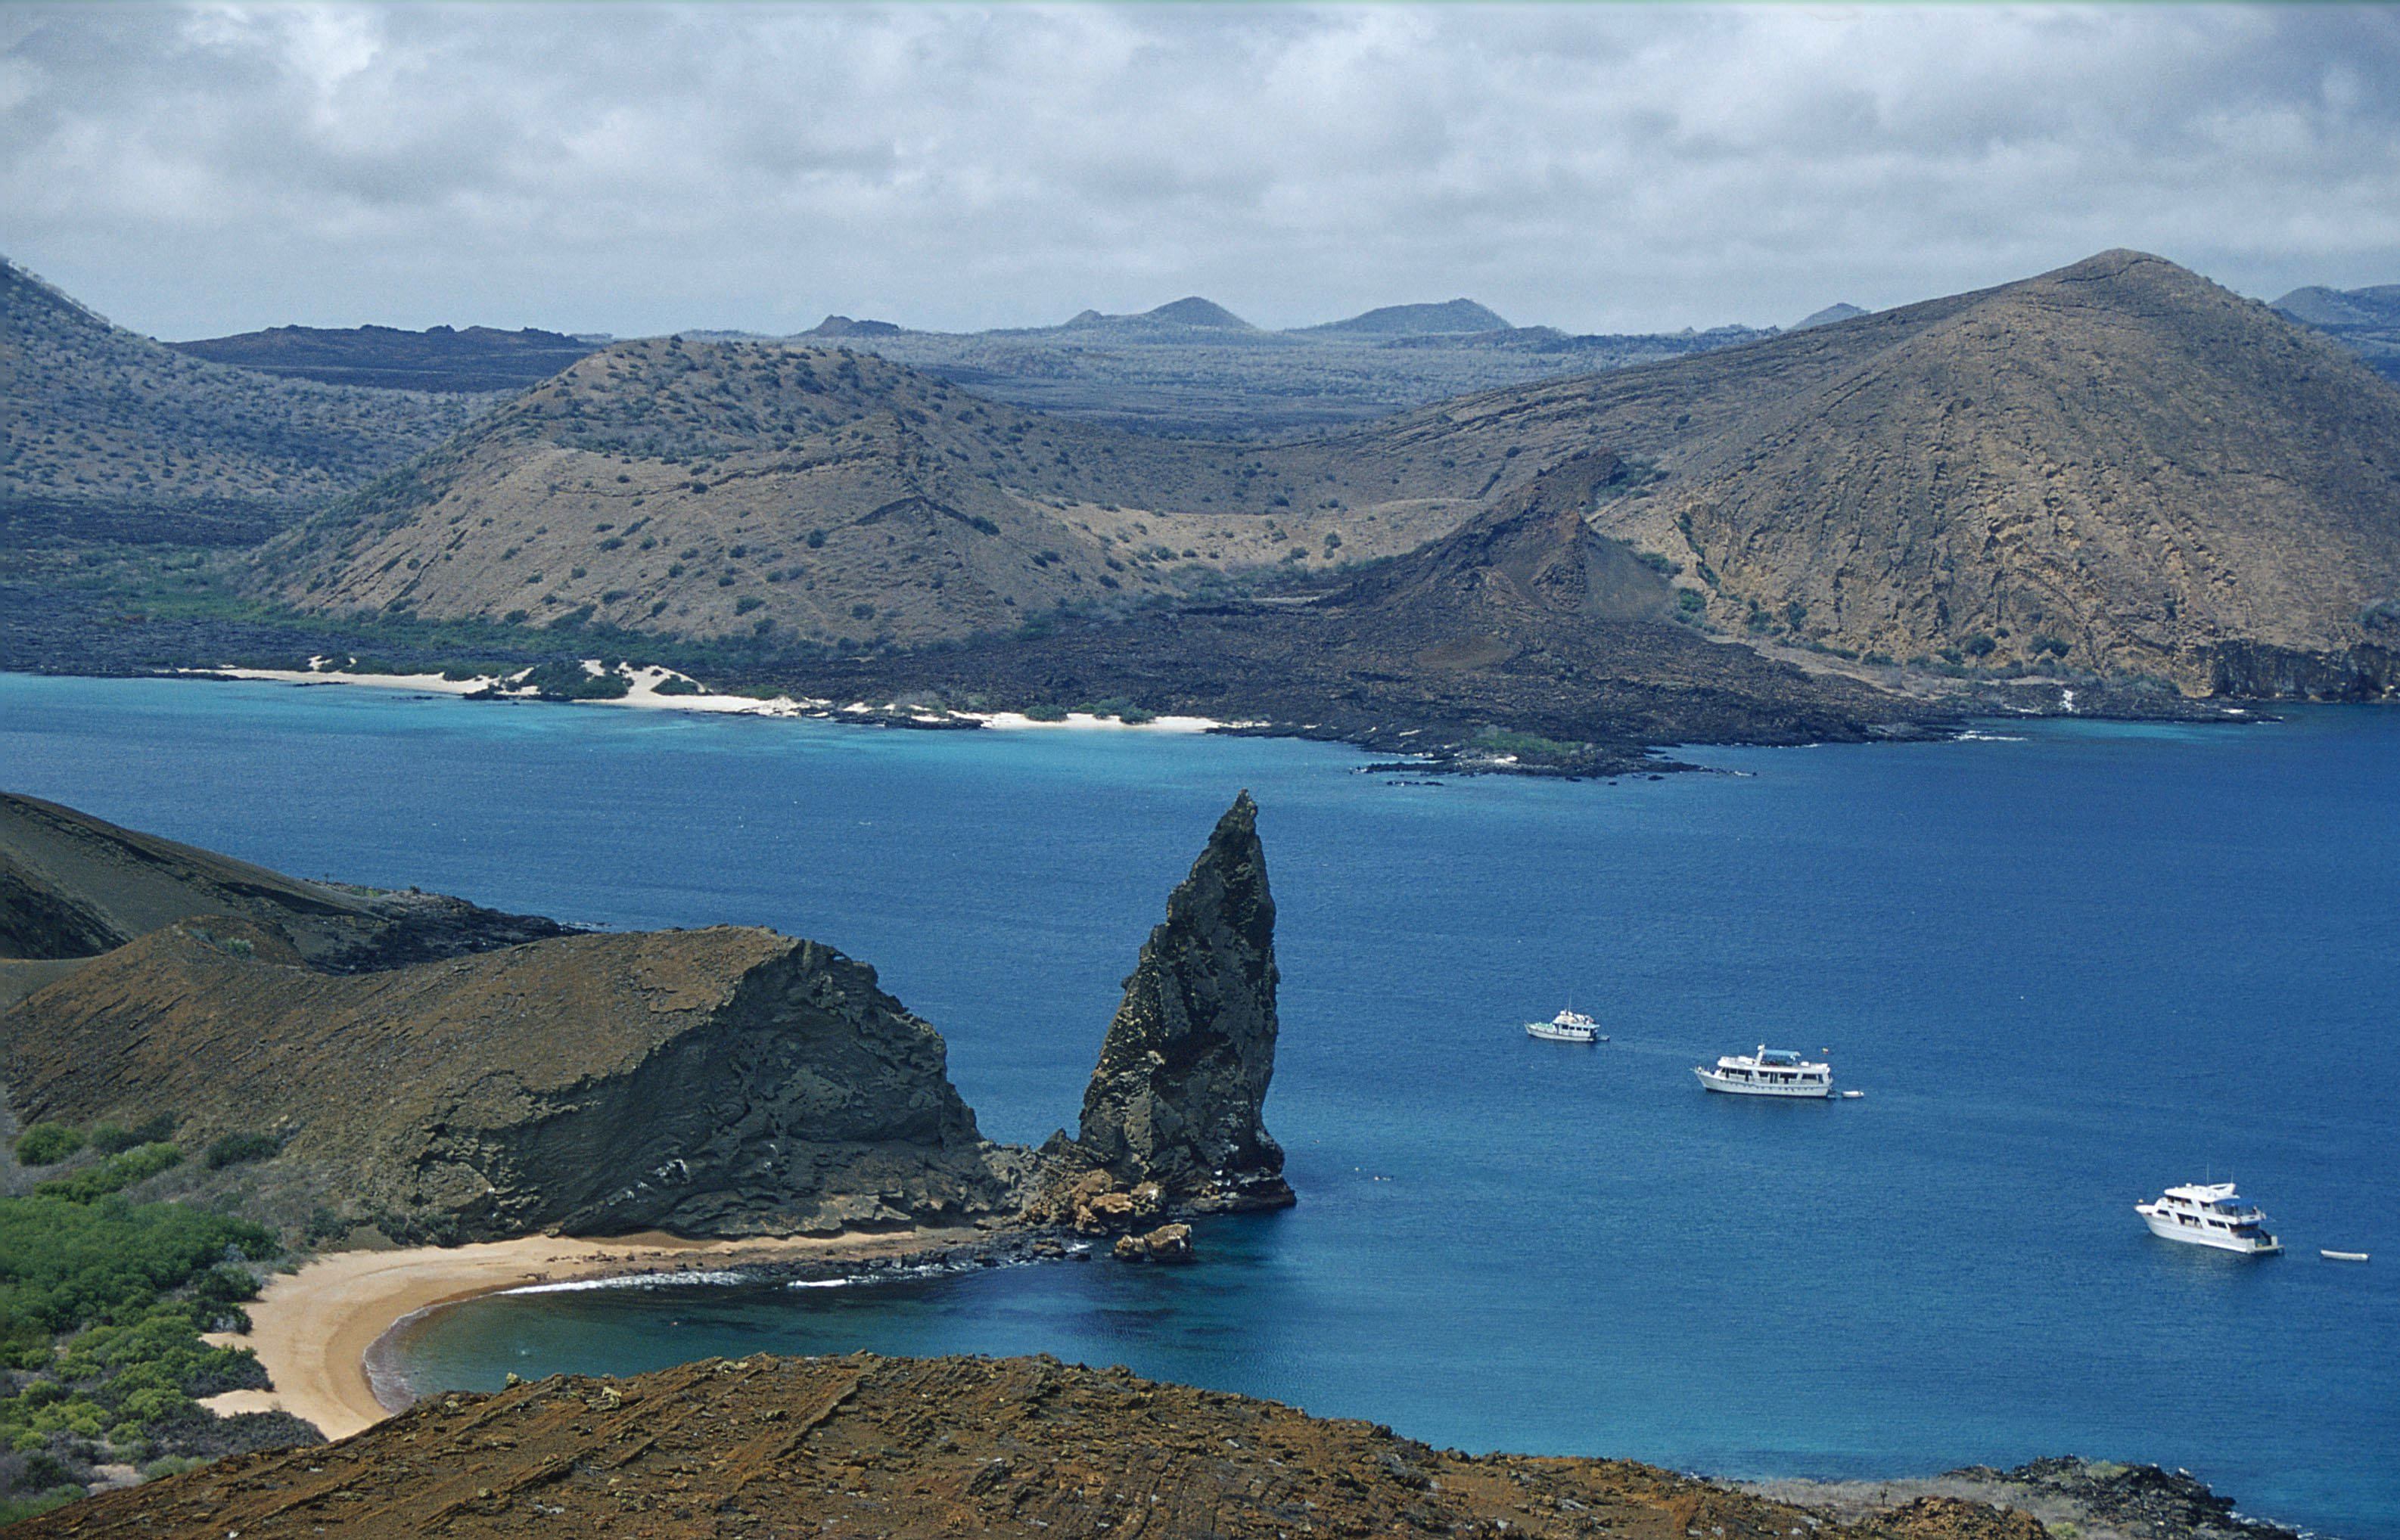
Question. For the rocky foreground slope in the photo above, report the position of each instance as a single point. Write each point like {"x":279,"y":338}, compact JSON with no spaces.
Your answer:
{"x":724,"y":1082}
{"x":902,"y":1449}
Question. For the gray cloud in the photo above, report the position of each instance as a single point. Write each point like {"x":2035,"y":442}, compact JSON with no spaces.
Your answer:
{"x":192,"y":170}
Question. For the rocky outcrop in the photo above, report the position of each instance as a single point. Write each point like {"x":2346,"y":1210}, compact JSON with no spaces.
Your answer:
{"x":73,"y":885}
{"x":724,"y":1082}
{"x":1183,"y":1071}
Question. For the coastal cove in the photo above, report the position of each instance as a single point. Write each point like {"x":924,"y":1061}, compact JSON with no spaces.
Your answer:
{"x":2069,"y":962}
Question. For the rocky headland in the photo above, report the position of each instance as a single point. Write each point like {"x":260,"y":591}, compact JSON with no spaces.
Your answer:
{"x":720,"y":1083}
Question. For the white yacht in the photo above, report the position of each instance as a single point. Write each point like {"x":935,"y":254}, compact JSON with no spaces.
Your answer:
{"x":2213,"y":1215}
{"x":1768,"y":1072}
{"x":1568,"y":1025}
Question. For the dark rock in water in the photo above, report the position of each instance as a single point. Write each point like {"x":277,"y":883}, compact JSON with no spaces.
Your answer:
{"x":2134,"y":1500}
{"x":1168,"y":1242}
{"x":1184,"y":1068}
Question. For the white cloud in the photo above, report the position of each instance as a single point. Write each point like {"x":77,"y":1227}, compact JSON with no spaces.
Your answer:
{"x":202,"y":169}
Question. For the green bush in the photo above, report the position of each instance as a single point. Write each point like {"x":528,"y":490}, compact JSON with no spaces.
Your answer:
{"x":235,"y":1148}
{"x":47,"y":1143}
{"x":677,"y":687}
{"x":112,"y":1139}
{"x":1045,"y":713}
{"x":114,"y":1174}
{"x":64,"y":1265}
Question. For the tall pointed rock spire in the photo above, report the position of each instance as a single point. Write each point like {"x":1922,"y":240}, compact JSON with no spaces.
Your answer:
{"x":1183,"y":1072}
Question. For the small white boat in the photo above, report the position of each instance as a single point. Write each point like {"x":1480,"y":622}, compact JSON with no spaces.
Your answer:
{"x":1768,"y":1072}
{"x":2342,"y":1256}
{"x":1852,"y":1095}
{"x":1566,"y":1026}
{"x":2213,"y":1215}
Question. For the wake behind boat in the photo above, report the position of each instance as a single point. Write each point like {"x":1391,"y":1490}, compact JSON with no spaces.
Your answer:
{"x":1566,"y":1026}
{"x":1768,"y":1072}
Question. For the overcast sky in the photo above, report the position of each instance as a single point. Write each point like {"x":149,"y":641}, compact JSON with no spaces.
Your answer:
{"x":191,"y":170}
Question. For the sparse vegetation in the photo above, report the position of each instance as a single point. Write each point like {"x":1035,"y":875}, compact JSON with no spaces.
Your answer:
{"x":237,"y":1148}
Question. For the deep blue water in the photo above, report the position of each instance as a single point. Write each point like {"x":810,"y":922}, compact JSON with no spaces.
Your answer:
{"x":2069,"y":969}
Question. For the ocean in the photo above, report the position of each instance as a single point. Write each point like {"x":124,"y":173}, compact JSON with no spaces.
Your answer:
{"x":2069,"y":963}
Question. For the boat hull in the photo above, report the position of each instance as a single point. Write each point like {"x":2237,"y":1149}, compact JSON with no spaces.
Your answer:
{"x":1801,"y":1092}
{"x":2165,"y":1228}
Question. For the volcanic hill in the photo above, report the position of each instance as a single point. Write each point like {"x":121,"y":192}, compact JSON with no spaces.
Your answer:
{"x":1448,"y":317}
{"x":2118,"y":464}
{"x":716,"y":489}
{"x":106,"y":435}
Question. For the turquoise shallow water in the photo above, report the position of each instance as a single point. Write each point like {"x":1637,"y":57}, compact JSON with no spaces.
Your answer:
{"x":2068,"y":968}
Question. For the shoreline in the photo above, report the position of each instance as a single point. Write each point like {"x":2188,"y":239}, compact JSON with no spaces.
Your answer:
{"x":644,"y":694}
{"x":316,"y":1331}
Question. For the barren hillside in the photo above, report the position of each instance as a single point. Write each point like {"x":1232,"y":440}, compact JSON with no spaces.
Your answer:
{"x":108,"y":435}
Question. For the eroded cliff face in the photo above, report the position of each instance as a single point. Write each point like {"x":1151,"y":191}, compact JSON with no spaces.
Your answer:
{"x":1182,"y":1077}
{"x":724,"y":1081}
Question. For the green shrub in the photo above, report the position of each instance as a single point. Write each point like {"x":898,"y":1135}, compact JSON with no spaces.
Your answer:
{"x":1045,"y":713}
{"x":1509,"y":741}
{"x":566,"y":680}
{"x":112,"y":1174}
{"x":677,"y":687}
{"x":47,"y":1143}
{"x":14,"y":1508}
{"x":235,"y":1148}
{"x":112,"y":1139}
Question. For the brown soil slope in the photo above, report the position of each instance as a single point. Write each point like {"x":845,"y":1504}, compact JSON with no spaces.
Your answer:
{"x":904,"y":1448}
{"x":71,"y":885}
{"x":724,"y":1082}
{"x":108,"y":435}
